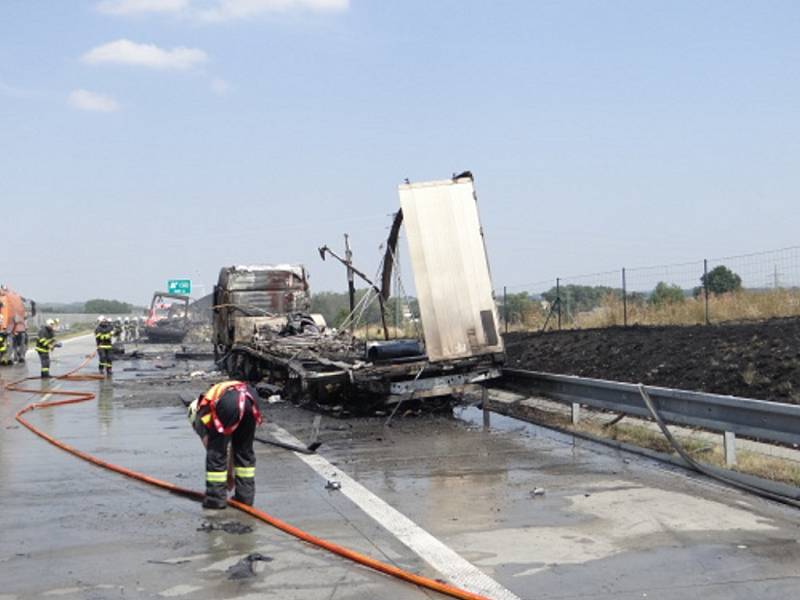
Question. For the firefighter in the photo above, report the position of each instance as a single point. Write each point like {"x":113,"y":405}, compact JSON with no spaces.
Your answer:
{"x":228,"y":411}
{"x":117,"y":329}
{"x":6,"y":357}
{"x":102,"y":336}
{"x":45,"y":342}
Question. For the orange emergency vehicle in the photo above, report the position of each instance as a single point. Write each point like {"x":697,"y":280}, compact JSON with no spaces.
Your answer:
{"x":14,"y":326}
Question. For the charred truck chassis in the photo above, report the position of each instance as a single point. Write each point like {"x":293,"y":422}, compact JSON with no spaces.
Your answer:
{"x":359,"y":384}
{"x":254,"y":306}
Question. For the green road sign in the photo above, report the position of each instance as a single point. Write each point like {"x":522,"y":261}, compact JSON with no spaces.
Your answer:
{"x":179,"y":286}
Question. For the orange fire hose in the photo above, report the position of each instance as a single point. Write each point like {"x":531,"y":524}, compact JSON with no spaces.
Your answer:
{"x":75,"y":397}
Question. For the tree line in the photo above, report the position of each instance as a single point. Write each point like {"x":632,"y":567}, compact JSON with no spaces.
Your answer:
{"x":93,"y":306}
{"x":335,"y":306}
{"x":584,"y":298}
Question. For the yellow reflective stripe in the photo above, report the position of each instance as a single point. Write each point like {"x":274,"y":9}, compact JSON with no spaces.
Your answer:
{"x":215,"y":391}
{"x":246,"y":472}
{"x":205,"y":419}
{"x":104,"y":347}
{"x":216,"y":476}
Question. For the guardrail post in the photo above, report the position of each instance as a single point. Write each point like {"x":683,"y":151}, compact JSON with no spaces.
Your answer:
{"x":576,"y":413}
{"x":729,"y":443}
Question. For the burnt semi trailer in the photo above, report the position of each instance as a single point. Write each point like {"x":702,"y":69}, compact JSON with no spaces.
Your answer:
{"x":263,"y":331}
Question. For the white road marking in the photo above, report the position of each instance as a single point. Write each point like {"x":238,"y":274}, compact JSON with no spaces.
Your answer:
{"x":441,"y":557}
{"x":180,"y":590}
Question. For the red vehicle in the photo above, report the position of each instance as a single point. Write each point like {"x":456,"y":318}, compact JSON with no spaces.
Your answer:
{"x":168,"y":319}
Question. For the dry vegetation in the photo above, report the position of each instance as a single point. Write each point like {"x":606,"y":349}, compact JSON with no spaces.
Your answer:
{"x":733,"y":306}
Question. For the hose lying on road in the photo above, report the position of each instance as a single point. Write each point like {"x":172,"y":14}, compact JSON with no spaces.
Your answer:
{"x":730,"y":477}
{"x":74,"y":397}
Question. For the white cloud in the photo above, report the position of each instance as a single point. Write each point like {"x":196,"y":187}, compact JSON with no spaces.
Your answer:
{"x":220,"y":87}
{"x":126,"y":52}
{"x":224,"y":10}
{"x":132,"y":7}
{"x":85,"y":100}
{"x":218,"y":10}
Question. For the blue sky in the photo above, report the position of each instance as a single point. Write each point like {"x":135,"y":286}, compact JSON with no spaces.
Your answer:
{"x":147,"y":139}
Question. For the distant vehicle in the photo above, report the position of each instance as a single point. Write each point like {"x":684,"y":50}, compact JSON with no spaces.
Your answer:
{"x":14,"y":312}
{"x":168,"y":318}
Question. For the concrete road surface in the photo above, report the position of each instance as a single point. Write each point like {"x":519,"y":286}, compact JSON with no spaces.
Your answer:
{"x":518,"y":512}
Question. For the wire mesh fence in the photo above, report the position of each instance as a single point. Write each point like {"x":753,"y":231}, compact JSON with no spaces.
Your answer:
{"x":714,"y":290}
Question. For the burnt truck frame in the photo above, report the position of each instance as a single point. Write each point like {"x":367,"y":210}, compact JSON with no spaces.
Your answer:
{"x":457,"y":305}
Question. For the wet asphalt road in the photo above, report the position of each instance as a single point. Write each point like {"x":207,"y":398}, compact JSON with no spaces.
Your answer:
{"x":608,"y":525}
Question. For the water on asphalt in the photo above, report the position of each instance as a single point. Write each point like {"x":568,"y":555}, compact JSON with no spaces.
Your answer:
{"x":545,"y":515}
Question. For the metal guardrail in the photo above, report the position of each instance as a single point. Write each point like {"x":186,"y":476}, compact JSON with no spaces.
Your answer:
{"x":759,"y":419}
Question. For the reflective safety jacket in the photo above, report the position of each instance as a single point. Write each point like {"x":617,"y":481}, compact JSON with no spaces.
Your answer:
{"x":46,"y":340}
{"x":102,"y":335}
{"x":207,"y":416}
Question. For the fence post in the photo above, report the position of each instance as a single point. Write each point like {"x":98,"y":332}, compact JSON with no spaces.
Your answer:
{"x":558,"y":300}
{"x":505,"y":307}
{"x":624,"y":300}
{"x":705,"y":289}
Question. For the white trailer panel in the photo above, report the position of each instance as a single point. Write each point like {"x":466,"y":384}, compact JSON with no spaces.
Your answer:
{"x":451,"y":269}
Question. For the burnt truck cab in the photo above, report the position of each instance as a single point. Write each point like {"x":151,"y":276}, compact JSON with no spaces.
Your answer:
{"x":249,"y":297}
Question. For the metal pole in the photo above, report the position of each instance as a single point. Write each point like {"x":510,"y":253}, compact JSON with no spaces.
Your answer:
{"x":351,"y":288}
{"x":558,"y":300}
{"x":505,"y":307}
{"x":624,"y":300}
{"x":487,"y":419}
{"x":705,"y":288}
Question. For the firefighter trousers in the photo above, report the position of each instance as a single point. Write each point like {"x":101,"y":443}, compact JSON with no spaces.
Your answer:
{"x":244,"y":462}
{"x":44,"y":357}
{"x":104,"y":358}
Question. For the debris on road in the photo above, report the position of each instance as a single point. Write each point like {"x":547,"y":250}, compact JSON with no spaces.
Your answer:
{"x":245,"y":568}
{"x":227,"y":526}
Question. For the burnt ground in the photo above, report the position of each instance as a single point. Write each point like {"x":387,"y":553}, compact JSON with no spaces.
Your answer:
{"x":753,"y":360}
